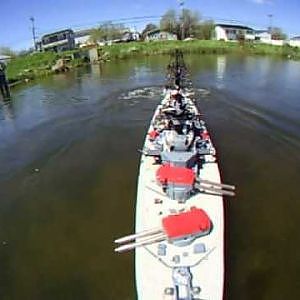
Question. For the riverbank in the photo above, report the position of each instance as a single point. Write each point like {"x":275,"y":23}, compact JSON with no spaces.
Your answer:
{"x":36,"y":65}
{"x":120,"y":51}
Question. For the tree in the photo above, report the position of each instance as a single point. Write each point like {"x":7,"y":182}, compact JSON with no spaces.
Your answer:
{"x":277,"y":34}
{"x":149,"y":27}
{"x":7,"y":51}
{"x":96,"y":35}
{"x":189,"y":21}
{"x":107,"y":31}
{"x":205,"y":30}
{"x":169,"y":22}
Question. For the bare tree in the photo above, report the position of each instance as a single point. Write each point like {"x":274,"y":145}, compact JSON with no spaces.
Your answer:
{"x":7,"y":51}
{"x":189,"y":20}
{"x":169,"y":22}
{"x":107,"y":31}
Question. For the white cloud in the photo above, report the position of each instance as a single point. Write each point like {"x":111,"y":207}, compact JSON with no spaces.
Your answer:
{"x":262,"y":1}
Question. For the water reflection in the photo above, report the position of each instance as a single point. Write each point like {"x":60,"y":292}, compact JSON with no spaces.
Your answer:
{"x":7,"y":109}
{"x":96,"y":69}
{"x":220,"y":72}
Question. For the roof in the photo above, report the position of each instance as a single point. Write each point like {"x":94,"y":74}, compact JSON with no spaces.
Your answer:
{"x":156,"y":31}
{"x":84,"y":32}
{"x":57,"y":32}
{"x":295,"y":38}
{"x":4,"y":57}
{"x":261,"y":31}
{"x":234,"y":26}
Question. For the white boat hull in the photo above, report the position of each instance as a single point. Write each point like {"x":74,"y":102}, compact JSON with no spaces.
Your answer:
{"x":153,"y":271}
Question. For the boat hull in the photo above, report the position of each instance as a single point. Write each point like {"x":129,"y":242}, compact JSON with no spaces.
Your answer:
{"x":203,"y":257}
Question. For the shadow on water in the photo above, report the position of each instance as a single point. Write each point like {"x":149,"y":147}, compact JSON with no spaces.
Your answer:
{"x":69,"y":168}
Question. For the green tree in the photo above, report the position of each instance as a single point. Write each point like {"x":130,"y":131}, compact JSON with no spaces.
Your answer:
{"x":277,"y":34}
{"x":96,"y":35}
{"x":205,"y":30}
{"x":149,"y":27}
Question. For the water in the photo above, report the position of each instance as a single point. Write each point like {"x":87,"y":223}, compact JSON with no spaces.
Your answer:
{"x":69,"y":163}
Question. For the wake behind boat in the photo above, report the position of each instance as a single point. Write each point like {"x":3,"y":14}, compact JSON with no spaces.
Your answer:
{"x":179,"y":239}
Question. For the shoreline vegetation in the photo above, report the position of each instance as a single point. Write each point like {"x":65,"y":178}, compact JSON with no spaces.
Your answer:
{"x":37,"y":65}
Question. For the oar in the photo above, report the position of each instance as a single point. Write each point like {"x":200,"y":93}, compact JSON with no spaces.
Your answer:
{"x":221,"y":185}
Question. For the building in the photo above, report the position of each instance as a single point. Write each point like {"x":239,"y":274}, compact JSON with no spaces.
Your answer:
{"x":263,"y":36}
{"x":158,"y":35}
{"x":130,"y":36}
{"x":227,"y":32}
{"x":5,"y":58}
{"x":82,"y":37}
{"x":58,"y":41}
{"x":295,"y":41}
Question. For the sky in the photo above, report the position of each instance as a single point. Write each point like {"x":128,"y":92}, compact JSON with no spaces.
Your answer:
{"x":51,"y":15}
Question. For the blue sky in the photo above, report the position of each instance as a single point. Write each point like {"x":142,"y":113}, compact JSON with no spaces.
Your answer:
{"x":57,"y":14}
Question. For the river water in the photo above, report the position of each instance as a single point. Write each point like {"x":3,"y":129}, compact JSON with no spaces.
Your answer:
{"x":69,"y":163}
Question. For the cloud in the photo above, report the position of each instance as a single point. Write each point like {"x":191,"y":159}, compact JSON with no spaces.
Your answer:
{"x":262,"y":1}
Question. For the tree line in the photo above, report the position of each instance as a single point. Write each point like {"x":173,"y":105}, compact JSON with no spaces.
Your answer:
{"x":185,"y":24}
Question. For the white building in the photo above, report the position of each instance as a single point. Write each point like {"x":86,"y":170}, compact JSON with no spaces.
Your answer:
{"x":158,"y":35}
{"x":295,"y":41}
{"x":227,"y":32}
{"x":5,"y":58}
{"x":58,"y":41}
{"x":263,"y":36}
{"x":82,"y":37}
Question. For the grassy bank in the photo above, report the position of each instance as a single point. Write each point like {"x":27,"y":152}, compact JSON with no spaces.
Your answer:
{"x":40,"y":64}
{"x":120,"y":51}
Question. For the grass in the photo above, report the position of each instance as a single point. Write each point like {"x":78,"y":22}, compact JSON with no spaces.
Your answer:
{"x":120,"y":51}
{"x":39,"y":64}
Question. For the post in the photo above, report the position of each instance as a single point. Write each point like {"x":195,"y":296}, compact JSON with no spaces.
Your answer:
{"x":33,"y":33}
{"x":270,"y":22}
{"x":181,"y":4}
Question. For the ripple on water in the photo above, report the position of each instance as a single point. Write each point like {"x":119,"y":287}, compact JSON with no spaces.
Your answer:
{"x":141,"y":93}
